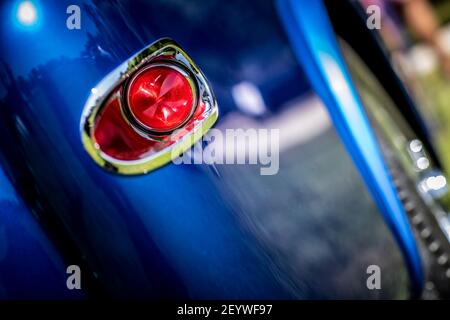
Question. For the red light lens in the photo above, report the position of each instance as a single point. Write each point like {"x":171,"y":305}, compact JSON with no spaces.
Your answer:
{"x":116,"y":138}
{"x":160,"y":98}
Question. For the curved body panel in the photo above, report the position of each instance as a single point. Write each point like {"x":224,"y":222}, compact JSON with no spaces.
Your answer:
{"x":197,"y":231}
{"x":317,"y":49}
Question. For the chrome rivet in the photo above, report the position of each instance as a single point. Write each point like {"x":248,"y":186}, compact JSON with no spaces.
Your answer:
{"x":434,"y":246}
{"x":442,"y":259}
{"x":410,"y":205}
{"x":425,"y":233}
{"x":417,"y":219}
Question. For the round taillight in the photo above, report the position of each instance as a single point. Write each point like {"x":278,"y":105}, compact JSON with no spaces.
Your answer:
{"x":160,"y":98}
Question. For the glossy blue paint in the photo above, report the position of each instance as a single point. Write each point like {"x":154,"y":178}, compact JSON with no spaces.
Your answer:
{"x":189,"y":231}
{"x":316,"y":48}
{"x":30,"y":265}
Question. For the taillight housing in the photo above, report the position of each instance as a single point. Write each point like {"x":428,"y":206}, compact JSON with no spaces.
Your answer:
{"x":147,"y":111}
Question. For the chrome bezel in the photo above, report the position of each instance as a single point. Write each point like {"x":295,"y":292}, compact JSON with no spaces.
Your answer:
{"x":162,"y":52}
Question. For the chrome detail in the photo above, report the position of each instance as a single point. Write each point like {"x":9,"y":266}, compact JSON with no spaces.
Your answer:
{"x":421,"y":186}
{"x":443,"y":259}
{"x":434,"y":246}
{"x":425,"y":233}
{"x":162,"y":52}
{"x":418,"y":219}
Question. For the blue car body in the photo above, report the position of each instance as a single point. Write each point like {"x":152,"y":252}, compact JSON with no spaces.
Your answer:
{"x":195,"y":231}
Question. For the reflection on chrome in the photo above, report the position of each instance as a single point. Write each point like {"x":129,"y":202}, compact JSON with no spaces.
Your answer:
{"x":436,"y":183}
{"x":415,"y":146}
{"x":418,"y":155}
{"x":422,"y":163}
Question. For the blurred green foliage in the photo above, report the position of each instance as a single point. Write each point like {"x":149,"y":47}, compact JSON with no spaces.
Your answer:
{"x":442,"y":9}
{"x":437,"y":88}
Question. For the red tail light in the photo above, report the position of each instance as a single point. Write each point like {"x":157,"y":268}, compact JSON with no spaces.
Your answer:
{"x":129,"y":122}
{"x":115,"y":137}
{"x":161,"y":98}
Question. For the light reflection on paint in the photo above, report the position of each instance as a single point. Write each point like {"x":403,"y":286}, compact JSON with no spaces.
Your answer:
{"x":27,"y":13}
{"x":248,"y":98}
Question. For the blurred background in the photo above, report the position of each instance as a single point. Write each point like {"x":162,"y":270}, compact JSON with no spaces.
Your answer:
{"x":417,"y":34}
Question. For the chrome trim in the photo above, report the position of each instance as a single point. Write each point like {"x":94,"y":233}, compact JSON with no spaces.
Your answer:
{"x":162,"y":52}
{"x":425,"y":204}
